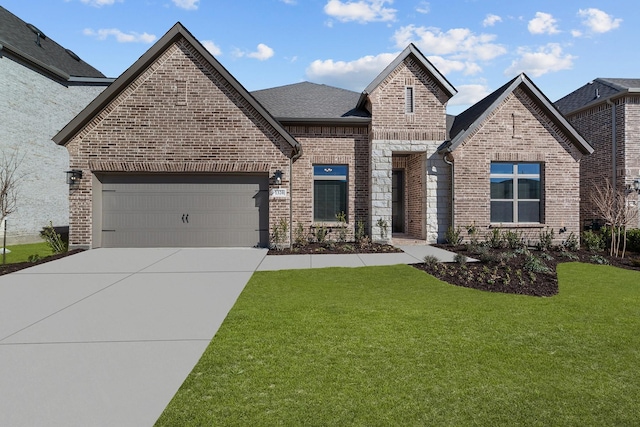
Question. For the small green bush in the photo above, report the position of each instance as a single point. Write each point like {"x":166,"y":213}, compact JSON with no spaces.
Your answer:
{"x":592,"y":241}
{"x":513,"y":239}
{"x":453,"y":236}
{"x":545,"y":239}
{"x":53,"y":239}
{"x":598,"y":259}
{"x":534,"y":264}
{"x":495,"y":239}
{"x":460,"y":259}
{"x":431,"y":261}
{"x":572,"y":243}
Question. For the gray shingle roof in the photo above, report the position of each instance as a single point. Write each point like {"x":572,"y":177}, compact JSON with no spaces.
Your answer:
{"x":596,"y":91}
{"x":311,"y":101}
{"x":20,"y":41}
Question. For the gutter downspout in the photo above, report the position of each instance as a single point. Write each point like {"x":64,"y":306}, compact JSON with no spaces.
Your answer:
{"x":453,"y":192}
{"x":296,"y":156}
{"x":614,"y":144}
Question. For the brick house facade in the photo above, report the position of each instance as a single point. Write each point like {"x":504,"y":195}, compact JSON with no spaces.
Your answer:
{"x":382,"y":158}
{"x":607,"y":113}
{"x":42,"y":87}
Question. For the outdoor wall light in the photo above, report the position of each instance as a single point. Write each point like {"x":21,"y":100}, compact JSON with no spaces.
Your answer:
{"x":73,"y":176}
{"x":636,"y":185}
{"x":277,"y":176}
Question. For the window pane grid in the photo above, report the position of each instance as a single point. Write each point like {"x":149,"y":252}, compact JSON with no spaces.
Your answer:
{"x":329,"y":192}
{"x":508,"y":182}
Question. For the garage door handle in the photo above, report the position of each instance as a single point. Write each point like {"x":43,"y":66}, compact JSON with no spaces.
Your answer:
{"x":185,"y":218}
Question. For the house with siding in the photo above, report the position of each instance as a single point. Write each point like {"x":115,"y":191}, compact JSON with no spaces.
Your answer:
{"x":606,"y":111}
{"x":176,"y":152}
{"x":42,"y":87}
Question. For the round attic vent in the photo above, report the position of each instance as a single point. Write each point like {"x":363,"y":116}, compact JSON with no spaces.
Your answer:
{"x":37,"y":31}
{"x":73,"y":55}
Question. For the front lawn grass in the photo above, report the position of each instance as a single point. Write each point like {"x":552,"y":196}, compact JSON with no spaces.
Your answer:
{"x":21,"y":253}
{"x":395,"y":346}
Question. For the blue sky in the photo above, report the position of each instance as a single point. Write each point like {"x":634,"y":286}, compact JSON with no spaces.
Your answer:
{"x":477,"y":44}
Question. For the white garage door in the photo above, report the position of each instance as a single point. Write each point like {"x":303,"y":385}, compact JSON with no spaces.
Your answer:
{"x":184,"y":210}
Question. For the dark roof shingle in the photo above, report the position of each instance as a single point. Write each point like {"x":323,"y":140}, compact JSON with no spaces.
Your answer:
{"x":310,"y":101}
{"x":19,"y":39}
{"x":596,"y":91}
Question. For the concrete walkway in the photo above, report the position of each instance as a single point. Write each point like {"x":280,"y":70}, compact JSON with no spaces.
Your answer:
{"x":412,"y":254}
{"x":106,"y":337}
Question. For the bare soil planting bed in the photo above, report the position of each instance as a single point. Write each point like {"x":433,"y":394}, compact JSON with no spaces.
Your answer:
{"x":519,"y":271}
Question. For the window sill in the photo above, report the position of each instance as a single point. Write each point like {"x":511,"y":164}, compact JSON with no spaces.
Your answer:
{"x":318,"y":224}
{"x":517,"y":225}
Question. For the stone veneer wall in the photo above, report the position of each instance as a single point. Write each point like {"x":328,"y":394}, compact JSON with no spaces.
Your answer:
{"x":418,"y":134}
{"x":178,"y":116}
{"x":533,"y":139}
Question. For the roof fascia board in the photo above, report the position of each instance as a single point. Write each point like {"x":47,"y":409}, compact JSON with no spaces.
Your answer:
{"x":56,"y":72}
{"x":553,"y":112}
{"x":109,"y":94}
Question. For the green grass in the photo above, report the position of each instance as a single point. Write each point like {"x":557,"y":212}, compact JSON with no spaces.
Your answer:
{"x":21,"y":253}
{"x":394,"y":346}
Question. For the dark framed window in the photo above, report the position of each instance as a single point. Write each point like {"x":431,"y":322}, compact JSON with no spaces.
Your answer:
{"x":516,"y":190}
{"x":409,"y":101}
{"x":330,"y":183}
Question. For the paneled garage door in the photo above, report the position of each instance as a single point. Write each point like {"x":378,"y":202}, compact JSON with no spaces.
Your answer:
{"x":184,"y":210}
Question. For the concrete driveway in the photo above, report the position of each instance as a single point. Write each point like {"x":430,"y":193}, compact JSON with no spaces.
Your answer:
{"x":106,"y":337}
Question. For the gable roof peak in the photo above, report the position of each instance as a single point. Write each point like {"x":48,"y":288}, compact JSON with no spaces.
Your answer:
{"x":120,"y":84}
{"x":470,"y":120}
{"x":412,"y":50}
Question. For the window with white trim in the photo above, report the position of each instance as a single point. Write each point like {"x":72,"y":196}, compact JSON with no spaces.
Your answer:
{"x":330,"y":183}
{"x":409,"y":102}
{"x":516,"y":191}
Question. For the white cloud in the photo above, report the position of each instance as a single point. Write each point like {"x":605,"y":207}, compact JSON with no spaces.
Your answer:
{"x":424,"y":7}
{"x":213,"y":48}
{"x":469,"y":94}
{"x":362,"y":11}
{"x":100,"y":3}
{"x":460,"y":43}
{"x":491,"y":20}
{"x":576,"y":33}
{"x":546,"y":59}
{"x":187,"y":4}
{"x":354,"y":75}
{"x":543,"y":23}
{"x":120,"y":37}
{"x":262,"y":53}
{"x":289,"y":1}
{"x":598,"y":21}
{"x":446,"y":66}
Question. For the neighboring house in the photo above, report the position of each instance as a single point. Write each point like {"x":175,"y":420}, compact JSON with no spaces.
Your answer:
{"x":42,"y":87}
{"x":176,"y":152}
{"x":607,"y":113}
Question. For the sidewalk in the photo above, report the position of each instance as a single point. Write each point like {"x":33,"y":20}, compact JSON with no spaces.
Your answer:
{"x":412,"y":254}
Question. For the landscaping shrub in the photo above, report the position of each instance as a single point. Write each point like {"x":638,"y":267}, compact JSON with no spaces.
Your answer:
{"x":53,"y":239}
{"x":572,"y":243}
{"x":545,"y":239}
{"x":593,"y":241}
{"x":453,"y":236}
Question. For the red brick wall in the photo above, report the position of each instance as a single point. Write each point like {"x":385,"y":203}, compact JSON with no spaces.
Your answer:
{"x":179,"y":115}
{"x":535,"y":139}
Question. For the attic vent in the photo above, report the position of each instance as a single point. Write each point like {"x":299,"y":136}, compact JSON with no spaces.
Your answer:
{"x":73,"y":55}
{"x":39,"y":34}
{"x":597,"y":93}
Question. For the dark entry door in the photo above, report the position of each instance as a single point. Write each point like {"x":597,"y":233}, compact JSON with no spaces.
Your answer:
{"x":397,"y":202}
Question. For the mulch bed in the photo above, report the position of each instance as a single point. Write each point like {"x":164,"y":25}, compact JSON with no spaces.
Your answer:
{"x":336,"y":248}
{"x":526,"y":272}
{"x":12,"y":268}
